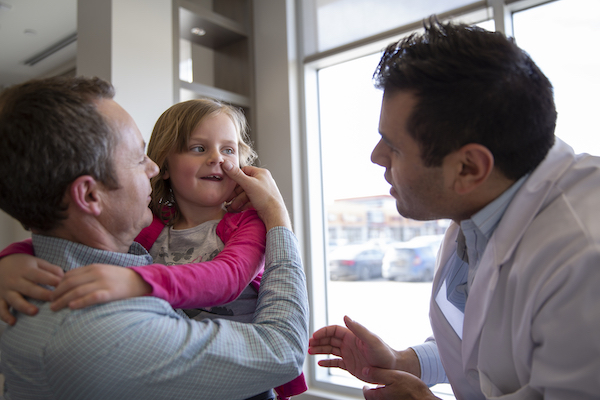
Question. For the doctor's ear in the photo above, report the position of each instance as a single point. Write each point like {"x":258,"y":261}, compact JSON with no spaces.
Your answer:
{"x":472,"y":164}
{"x":85,"y":195}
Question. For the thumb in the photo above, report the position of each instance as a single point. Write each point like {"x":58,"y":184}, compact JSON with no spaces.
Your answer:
{"x":51,"y":268}
{"x":234,"y":172}
{"x":379,"y":376}
{"x":361,"y":332}
{"x":373,"y":393}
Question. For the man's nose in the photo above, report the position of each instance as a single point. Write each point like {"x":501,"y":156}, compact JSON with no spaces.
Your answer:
{"x":152,"y":169}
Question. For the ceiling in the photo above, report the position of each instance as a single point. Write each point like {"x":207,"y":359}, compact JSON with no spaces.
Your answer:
{"x":30,"y":27}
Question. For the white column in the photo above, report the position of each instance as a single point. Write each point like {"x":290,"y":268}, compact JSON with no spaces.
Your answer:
{"x":129,"y":43}
{"x":276,"y":103}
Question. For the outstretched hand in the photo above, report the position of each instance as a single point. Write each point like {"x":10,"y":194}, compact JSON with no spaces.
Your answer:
{"x":357,"y":347}
{"x":261,"y":190}
{"x":20,"y":276}
{"x":97,"y":284}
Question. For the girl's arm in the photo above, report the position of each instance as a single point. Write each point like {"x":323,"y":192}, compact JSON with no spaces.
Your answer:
{"x":221,"y":280}
{"x":192,"y":285}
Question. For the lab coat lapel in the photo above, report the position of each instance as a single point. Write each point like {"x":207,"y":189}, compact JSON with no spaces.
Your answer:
{"x":533,"y":195}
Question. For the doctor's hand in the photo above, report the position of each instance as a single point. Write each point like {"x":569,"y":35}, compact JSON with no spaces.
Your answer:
{"x":395,"y":385}
{"x":359,"y":349}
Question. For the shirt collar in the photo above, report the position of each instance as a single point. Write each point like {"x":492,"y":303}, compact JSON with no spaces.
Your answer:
{"x":475,"y":232}
{"x":70,"y":255}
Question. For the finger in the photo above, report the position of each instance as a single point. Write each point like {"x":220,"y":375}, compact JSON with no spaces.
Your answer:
{"x":95,"y":297}
{"x":5,"y":314}
{"x":34,"y":291}
{"x":373,"y":393}
{"x":75,"y":278}
{"x":236,"y":192}
{"x":329,"y":332}
{"x":325,"y":350}
{"x":46,"y":274}
{"x":71,"y":293}
{"x":380,"y":376}
{"x":239,"y":202}
{"x":332,"y":363}
{"x":235,"y":173}
{"x":18,"y":302}
{"x":51,"y":269}
{"x":360,"y":331}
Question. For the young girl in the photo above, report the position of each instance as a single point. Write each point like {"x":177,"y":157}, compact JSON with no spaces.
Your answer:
{"x":189,"y":143}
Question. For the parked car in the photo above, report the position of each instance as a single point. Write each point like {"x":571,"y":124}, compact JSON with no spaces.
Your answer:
{"x":355,"y":262}
{"x":406,"y":261}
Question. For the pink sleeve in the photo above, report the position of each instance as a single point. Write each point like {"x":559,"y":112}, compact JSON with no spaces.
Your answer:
{"x":218,"y":281}
{"x":148,"y":235}
{"x":25,"y":247}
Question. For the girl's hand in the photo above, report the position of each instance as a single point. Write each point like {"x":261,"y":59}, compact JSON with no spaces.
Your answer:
{"x":20,"y":276}
{"x":97,"y":284}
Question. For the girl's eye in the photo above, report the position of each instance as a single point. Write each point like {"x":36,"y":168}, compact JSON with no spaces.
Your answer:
{"x":198,"y":149}
{"x":228,"y":151}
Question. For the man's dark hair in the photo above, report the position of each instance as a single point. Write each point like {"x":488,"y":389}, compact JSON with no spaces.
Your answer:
{"x":472,"y":86}
{"x":51,"y":133}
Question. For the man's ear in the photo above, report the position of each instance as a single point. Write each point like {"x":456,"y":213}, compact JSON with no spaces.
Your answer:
{"x":473,"y":164}
{"x":85,"y":195}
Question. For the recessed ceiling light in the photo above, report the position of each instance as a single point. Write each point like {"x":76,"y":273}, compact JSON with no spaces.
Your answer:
{"x":198,"y":31}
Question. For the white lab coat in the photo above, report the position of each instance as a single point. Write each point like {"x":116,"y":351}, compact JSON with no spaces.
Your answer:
{"x":532,"y":319}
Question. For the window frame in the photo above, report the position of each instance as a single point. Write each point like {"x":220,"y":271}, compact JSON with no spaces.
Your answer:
{"x":321,"y":383}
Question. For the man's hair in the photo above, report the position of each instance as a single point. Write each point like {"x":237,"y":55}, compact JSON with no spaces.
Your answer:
{"x":472,"y":86}
{"x":171,"y":134}
{"x":51,"y":133}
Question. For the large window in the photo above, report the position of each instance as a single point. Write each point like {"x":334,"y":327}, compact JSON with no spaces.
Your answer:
{"x":369,"y":262}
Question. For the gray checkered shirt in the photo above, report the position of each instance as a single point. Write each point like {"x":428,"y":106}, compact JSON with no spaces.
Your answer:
{"x":141,"y":348}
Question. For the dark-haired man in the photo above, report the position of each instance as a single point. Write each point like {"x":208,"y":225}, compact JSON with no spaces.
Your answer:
{"x":74,"y":171}
{"x":467,"y":133}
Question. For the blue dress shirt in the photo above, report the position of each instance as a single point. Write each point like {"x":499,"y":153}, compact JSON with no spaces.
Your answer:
{"x":141,"y":348}
{"x":473,"y":237}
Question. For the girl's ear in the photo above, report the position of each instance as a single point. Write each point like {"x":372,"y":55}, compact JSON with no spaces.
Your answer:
{"x":84,"y":193}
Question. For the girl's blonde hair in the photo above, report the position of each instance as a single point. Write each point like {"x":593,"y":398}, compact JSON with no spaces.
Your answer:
{"x":171,"y":134}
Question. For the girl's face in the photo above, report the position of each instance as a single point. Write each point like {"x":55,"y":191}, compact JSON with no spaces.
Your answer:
{"x":196,"y":174}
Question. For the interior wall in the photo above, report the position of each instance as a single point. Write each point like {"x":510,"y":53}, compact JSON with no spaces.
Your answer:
{"x":130,"y":43}
{"x":277,"y":111}
{"x":11,"y":230}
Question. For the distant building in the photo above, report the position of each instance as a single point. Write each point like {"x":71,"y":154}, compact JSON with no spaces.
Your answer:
{"x":374,"y":219}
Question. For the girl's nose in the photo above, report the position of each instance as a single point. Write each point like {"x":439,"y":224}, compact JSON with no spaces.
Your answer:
{"x":215,"y":157}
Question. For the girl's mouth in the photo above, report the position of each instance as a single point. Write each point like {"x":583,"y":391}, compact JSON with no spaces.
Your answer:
{"x":213,"y":178}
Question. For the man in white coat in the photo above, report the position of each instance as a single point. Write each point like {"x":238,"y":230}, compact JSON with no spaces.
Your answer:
{"x":467,"y":133}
